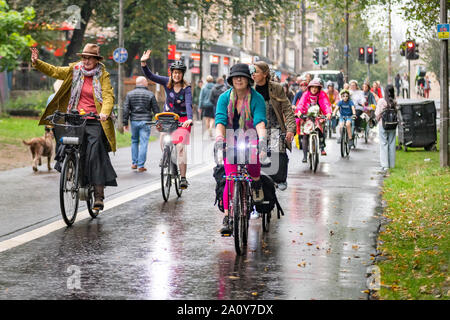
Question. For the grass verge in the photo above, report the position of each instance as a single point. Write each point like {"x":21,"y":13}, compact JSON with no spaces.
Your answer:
{"x":15,"y":129}
{"x":415,"y":244}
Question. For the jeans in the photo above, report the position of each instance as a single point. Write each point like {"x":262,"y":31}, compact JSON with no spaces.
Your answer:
{"x":140,"y":133}
{"x":387,"y":146}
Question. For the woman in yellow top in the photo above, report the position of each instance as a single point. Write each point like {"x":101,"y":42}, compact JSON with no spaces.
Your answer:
{"x":86,"y":85}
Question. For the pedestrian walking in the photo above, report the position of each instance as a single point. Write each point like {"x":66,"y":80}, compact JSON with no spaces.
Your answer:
{"x":195,"y":96}
{"x":87,"y":87}
{"x":427,"y":87}
{"x":206,"y":105}
{"x":398,"y":83}
{"x":216,"y":91}
{"x":405,"y":86}
{"x":386,"y":136}
{"x":340,"y":80}
{"x":139,"y":107}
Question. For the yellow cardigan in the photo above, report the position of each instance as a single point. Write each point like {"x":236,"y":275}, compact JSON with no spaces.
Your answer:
{"x":61,"y":99}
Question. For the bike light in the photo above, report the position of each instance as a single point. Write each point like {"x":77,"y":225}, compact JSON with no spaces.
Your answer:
{"x":167,"y":139}
{"x":241,"y":146}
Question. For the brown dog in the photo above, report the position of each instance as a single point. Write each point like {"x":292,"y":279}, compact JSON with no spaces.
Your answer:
{"x":41,"y":147}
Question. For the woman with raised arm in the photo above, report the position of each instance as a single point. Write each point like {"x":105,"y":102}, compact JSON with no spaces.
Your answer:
{"x":179,"y":101}
{"x":87,"y":88}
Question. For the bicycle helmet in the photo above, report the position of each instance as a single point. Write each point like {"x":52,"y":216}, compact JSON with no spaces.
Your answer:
{"x":178,"y":65}
{"x":344,"y":91}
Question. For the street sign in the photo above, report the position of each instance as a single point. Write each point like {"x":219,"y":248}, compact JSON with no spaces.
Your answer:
{"x":120,"y":55}
{"x":443,"y":31}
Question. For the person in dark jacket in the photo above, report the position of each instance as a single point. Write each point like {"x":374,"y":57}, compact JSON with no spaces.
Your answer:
{"x":340,"y":80}
{"x":216,"y":91}
{"x":140,"y":106}
{"x":206,"y":105}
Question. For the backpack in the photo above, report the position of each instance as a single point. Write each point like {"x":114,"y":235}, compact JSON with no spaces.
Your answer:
{"x":270,"y":197}
{"x":389,"y":119}
{"x":218,"y":174}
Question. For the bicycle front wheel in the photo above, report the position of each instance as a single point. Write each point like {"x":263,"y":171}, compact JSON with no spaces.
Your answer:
{"x":166,"y":175}
{"x":69,"y":189}
{"x":315,"y":151}
{"x":238,"y":220}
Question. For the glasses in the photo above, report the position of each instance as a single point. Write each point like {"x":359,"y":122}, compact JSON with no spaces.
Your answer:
{"x":87,"y":57}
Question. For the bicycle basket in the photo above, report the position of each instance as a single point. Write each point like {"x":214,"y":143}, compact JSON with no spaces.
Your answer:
{"x":69,"y":131}
{"x":168,"y":123}
{"x":313,"y":111}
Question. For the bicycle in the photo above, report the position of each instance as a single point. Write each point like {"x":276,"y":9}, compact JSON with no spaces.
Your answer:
{"x":69,"y":131}
{"x":240,"y":208}
{"x":169,"y":168}
{"x":313,"y":142}
{"x":345,"y":148}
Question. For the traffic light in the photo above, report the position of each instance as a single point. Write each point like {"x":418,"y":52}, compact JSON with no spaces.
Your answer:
{"x":191,"y":62}
{"x":369,"y":54}
{"x":361,"y":54}
{"x":416,"y":52}
{"x":375,"y":60}
{"x":325,"y":56}
{"x":316,"y":56}
{"x":410,"y":49}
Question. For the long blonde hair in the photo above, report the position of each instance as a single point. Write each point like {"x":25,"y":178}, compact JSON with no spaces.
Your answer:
{"x":264,"y":68}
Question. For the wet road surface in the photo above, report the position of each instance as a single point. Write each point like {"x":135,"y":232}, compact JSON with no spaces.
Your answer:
{"x":147,"y":249}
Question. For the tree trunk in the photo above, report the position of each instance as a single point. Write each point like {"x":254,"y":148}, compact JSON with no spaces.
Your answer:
{"x":78,"y":34}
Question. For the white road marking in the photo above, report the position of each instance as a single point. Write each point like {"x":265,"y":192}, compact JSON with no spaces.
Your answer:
{"x":43,"y":231}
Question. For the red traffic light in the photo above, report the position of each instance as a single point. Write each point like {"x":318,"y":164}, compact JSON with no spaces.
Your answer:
{"x":410,"y":44}
{"x":369,"y":50}
{"x":361,"y":50}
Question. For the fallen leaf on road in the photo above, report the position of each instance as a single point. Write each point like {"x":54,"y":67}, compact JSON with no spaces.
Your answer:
{"x":233,"y":278}
{"x":254,"y":293}
{"x":355,"y":247}
{"x":309,"y":243}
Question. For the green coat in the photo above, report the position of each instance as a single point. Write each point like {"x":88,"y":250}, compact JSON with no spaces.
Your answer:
{"x":61,"y":99}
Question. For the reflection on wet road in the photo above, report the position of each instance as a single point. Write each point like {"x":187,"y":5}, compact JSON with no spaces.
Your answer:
{"x":148,"y":249}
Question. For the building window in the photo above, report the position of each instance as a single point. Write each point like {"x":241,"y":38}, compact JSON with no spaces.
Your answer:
{"x":193,"y":22}
{"x":291,"y":58}
{"x":310,"y":31}
{"x":262,"y":43}
{"x":291,"y":25}
{"x":219,"y":26}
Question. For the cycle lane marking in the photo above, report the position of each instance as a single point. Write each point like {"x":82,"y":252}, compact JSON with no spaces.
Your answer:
{"x":82,"y":215}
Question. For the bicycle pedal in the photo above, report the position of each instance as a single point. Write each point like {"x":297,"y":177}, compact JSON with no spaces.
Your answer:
{"x":226,"y":235}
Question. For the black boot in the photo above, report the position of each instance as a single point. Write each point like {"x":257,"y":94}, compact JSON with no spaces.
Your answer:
{"x":99,"y":195}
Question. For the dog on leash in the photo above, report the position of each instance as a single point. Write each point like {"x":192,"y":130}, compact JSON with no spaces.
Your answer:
{"x":42,"y":147}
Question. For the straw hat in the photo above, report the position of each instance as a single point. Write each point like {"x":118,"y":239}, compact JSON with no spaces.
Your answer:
{"x":92,"y":50}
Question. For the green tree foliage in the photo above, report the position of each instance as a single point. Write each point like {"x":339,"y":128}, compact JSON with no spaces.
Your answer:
{"x":12,"y":38}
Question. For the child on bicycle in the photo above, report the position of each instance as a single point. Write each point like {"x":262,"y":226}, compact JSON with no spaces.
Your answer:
{"x":310,"y":99}
{"x":347,"y":113}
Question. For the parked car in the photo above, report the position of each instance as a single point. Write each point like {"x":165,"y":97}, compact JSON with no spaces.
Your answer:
{"x":324,"y":75}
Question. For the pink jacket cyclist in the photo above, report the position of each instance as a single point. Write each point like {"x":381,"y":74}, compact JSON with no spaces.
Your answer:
{"x":308,"y":98}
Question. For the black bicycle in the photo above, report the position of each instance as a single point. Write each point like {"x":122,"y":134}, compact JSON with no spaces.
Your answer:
{"x":345,"y":148}
{"x":240,"y":208}
{"x":168,"y":122}
{"x":69,"y":132}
